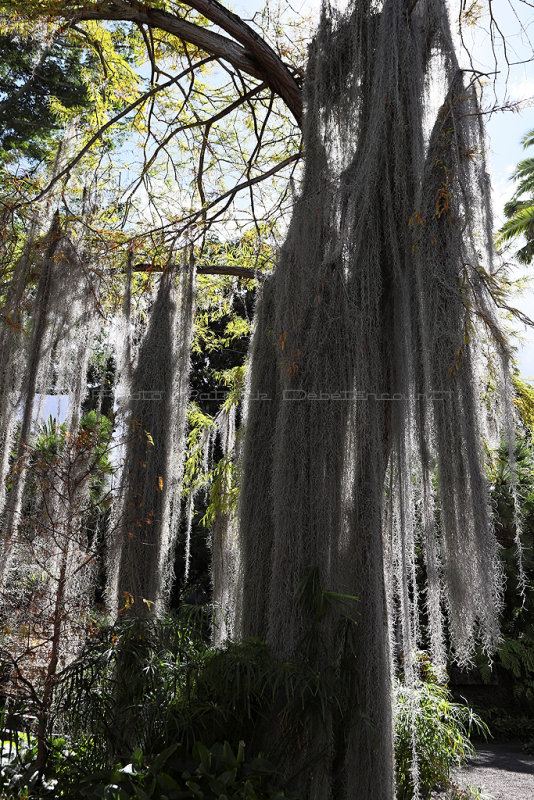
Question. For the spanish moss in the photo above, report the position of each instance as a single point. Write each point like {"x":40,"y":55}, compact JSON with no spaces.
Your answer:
{"x":363,"y":382}
{"x":155,"y":437}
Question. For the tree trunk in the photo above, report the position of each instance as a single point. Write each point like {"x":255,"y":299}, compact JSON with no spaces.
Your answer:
{"x":50,"y":679}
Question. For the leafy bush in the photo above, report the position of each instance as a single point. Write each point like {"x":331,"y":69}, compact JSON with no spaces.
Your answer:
{"x":132,"y":686}
{"x":150,"y":683}
{"x":214,"y":773}
{"x":153,"y":687}
{"x":442,"y":728}
{"x":146,"y":707}
{"x":19,"y":779}
{"x":204,"y":773}
{"x":506,"y":724}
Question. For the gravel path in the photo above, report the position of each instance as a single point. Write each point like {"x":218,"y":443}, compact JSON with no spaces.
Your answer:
{"x":502,"y":771}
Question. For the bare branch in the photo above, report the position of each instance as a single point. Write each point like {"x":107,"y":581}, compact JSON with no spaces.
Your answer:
{"x":212,"y":269}
{"x":229,"y":195}
{"x":108,"y":124}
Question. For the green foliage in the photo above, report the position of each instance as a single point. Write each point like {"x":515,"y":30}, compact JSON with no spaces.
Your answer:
{"x":224,"y":490}
{"x":200,"y":426}
{"x":18,"y":776}
{"x":518,"y":657}
{"x":94,"y":436}
{"x":153,"y":687}
{"x":138,"y":672}
{"x":442,"y":729}
{"x":31,"y":74}
{"x":145,"y":708}
{"x":501,"y":485}
{"x":524,"y":402}
{"x":19,"y":780}
{"x":239,"y":685}
{"x":215,"y":773}
{"x":520,"y":212}
{"x":150,"y":711}
{"x":506,"y":723}
{"x":161,"y":674}
{"x":515,"y":657}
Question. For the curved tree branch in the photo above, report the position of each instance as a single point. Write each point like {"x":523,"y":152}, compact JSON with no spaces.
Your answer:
{"x":250,"y":54}
{"x":210,"y":269}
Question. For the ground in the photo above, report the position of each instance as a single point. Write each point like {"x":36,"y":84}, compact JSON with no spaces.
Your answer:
{"x":502,"y":771}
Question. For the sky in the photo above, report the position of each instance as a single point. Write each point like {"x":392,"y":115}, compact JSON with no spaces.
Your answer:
{"x":505,"y":129}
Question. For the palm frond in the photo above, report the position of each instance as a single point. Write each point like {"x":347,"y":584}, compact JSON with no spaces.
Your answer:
{"x":520,"y":213}
{"x":522,"y":222}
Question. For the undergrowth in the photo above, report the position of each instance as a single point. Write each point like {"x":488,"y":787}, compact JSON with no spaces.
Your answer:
{"x":149,"y":710}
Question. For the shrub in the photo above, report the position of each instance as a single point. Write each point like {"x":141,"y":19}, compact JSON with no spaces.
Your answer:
{"x":442,"y":729}
{"x":214,"y":773}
